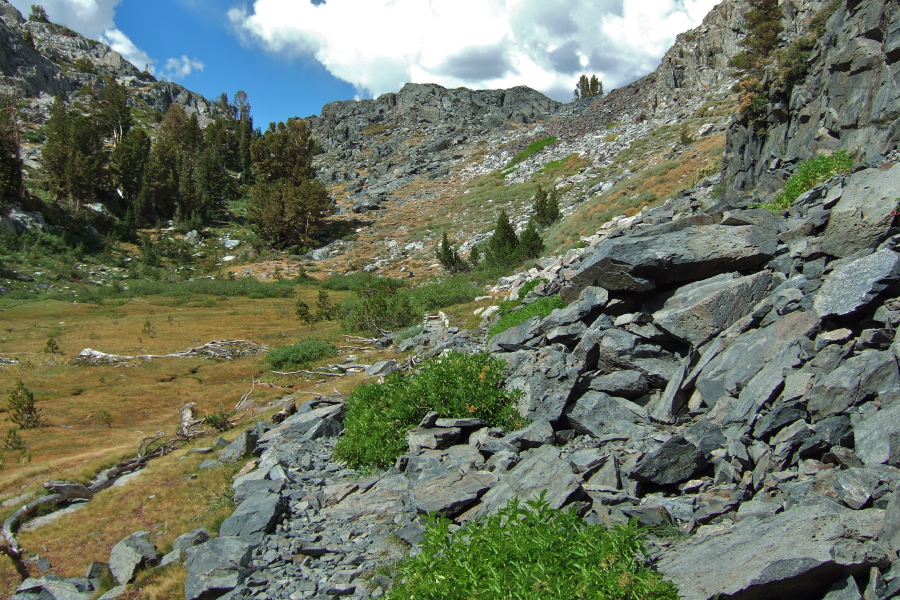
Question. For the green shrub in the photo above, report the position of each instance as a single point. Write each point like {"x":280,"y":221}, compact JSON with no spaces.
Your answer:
{"x":530,"y":551}
{"x":541,"y":307}
{"x":444,"y":293}
{"x":354,"y":281}
{"x":300,"y":354}
{"x":454,"y":385}
{"x":384,"y":305}
{"x":532,"y":149}
{"x":808,"y":174}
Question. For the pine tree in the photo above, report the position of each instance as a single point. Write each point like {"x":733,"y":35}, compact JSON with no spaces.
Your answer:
{"x":588,"y":87}
{"x":11,"y":165}
{"x":546,"y":207}
{"x":501,"y":248}
{"x":38,"y":14}
{"x":450,"y":258}
{"x":128,"y":162}
{"x":530,"y":243}
{"x":114,"y":112}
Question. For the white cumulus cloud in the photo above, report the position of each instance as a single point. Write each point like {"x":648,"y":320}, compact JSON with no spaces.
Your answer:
{"x":378,"y":45}
{"x":179,"y":68}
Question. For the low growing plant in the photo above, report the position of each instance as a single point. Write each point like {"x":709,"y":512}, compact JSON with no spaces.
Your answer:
{"x":22,"y":408}
{"x":808,"y":174}
{"x":530,"y":550}
{"x":454,"y":385}
{"x":541,"y":307}
{"x":300,"y":354}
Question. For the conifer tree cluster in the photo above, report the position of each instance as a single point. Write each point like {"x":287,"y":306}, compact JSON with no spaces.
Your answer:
{"x":546,"y":207}
{"x":11,"y":179}
{"x":287,"y":204}
{"x":588,"y":87}
{"x":507,"y":249}
{"x":94,"y":151}
{"x":450,"y":258}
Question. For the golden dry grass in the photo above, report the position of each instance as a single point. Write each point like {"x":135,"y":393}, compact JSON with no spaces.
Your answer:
{"x":141,"y":399}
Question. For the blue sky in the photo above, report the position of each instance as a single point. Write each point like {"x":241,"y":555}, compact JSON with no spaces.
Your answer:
{"x":294,"y":56}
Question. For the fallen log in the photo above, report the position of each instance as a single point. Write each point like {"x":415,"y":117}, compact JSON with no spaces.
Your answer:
{"x":225,"y":349}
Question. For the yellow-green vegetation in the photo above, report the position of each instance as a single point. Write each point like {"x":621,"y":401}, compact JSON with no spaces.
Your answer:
{"x":808,"y":174}
{"x":93,"y":417}
{"x":301,"y":354}
{"x":454,"y":385}
{"x":532,"y":149}
{"x":530,"y":551}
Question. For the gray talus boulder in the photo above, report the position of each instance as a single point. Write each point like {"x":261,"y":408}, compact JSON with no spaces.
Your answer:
{"x":216,"y":567}
{"x":875,"y":434}
{"x":864,"y":214}
{"x":857,"y":379}
{"x":639,"y":264}
{"x":322,"y":421}
{"x":540,"y":471}
{"x":131,"y":554}
{"x":255,"y":516}
{"x":452,"y":493}
{"x":698,"y":311}
{"x":796,"y":554}
{"x":546,"y":383}
{"x":852,"y":286}
{"x":675,"y":461}
{"x":54,"y":587}
{"x":598,"y":414}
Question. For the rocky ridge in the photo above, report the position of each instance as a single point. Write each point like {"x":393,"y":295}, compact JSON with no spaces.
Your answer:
{"x":54,"y":61}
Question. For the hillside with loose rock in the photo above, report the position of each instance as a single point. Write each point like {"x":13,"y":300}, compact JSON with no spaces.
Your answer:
{"x":723,"y":373}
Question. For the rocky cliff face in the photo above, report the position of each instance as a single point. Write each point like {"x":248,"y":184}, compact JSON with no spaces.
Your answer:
{"x":54,"y":60}
{"x":848,"y":101}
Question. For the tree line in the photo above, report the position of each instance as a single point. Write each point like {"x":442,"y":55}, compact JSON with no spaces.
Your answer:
{"x":151,"y":168}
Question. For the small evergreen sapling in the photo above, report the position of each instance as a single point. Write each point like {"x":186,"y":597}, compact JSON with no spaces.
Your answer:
{"x":23,"y":410}
{"x":450,"y":258}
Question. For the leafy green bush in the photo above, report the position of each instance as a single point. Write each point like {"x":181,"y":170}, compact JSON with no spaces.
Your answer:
{"x":300,"y":354}
{"x":541,"y":307}
{"x":530,"y":551}
{"x":808,"y":174}
{"x":444,"y":293}
{"x":454,"y":385}
{"x":384,"y":305}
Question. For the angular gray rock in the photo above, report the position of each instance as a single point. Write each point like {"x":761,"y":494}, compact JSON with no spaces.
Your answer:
{"x":542,"y":470}
{"x":599,"y":415}
{"x":872,"y":432}
{"x":864,"y":214}
{"x":521,"y":336}
{"x":452,"y":493}
{"x":216,"y":567}
{"x":546,"y":383}
{"x":131,"y":554}
{"x":870,"y":374}
{"x":54,"y":587}
{"x":699,"y":311}
{"x":254,"y":517}
{"x":852,"y":286}
{"x":675,"y":461}
{"x":639,"y":264}
{"x":796,"y":554}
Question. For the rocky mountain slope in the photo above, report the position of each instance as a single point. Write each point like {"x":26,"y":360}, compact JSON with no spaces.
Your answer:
{"x":40,"y":60}
{"x":718,"y":367}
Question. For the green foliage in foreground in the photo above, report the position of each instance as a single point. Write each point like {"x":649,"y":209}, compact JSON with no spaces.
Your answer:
{"x":300,"y":354}
{"x":527,"y":552}
{"x":454,"y":385}
{"x":532,"y":149}
{"x":541,"y":307}
{"x":808,"y":174}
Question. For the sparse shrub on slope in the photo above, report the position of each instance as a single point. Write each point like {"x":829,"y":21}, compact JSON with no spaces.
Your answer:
{"x":22,"y":408}
{"x":808,"y":174}
{"x":300,"y":354}
{"x":530,"y":551}
{"x":454,"y":385}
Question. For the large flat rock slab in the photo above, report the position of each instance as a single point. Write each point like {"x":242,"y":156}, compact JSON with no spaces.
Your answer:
{"x":795,"y":555}
{"x":697,"y":312}
{"x":639,"y":264}
{"x":852,"y":286}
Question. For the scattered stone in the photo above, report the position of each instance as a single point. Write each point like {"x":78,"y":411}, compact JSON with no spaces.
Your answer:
{"x":132,"y":554}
